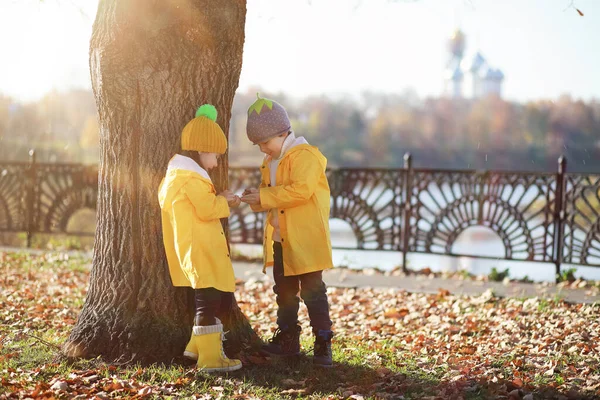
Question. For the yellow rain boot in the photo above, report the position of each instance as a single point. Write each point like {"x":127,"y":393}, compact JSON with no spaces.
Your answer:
{"x":191,"y":350}
{"x":208,"y":343}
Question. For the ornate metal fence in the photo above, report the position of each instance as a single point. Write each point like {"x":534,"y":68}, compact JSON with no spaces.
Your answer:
{"x":42,"y":197}
{"x":581,"y":220}
{"x":540,"y":217}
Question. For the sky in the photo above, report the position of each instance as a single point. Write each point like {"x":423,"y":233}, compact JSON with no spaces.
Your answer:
{"x":309,"y":47}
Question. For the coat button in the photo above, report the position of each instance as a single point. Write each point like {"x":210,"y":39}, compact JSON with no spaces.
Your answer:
{"x":269,"y":185}
{"x":222,"y":233}
{"x":227,"y":255}
{"x":263,"y":166}
{"x":282,"y":240}
{"x":282,"y":211}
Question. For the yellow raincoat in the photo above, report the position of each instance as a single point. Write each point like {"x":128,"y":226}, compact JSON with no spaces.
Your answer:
{"x":193,"y":236}
{"x":302,"y":200}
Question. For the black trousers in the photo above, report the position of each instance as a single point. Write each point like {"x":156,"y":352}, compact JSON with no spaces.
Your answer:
{"x":209,"y":303}
{"x":312,"y":290}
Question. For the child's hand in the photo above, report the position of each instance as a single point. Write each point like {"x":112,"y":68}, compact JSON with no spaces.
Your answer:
{"x":228,"y":194}
{"x":251,"y":196}
{"x":235,"y":202}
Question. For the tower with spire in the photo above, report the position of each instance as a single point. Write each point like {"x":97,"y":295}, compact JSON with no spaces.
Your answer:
{"x":469,"y":77}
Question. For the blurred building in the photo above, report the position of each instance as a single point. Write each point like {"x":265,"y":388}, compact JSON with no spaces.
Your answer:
{"x":469,"y":76}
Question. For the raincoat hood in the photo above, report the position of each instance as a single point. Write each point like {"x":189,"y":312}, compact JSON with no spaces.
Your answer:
{"x":179,"y":171}
{"x":296,"y":145}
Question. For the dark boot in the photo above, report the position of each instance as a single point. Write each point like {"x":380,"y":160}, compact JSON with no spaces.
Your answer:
{"x":285,"y":342}
{"x":322,"y":350}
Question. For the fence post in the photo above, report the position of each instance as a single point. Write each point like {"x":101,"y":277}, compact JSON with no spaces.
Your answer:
{"x":559,"y":214}
{"x":407,"y":208}
{"x":32,"y":174}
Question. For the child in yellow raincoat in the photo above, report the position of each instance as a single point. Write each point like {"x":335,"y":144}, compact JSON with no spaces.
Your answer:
{"x":195,"y":244}
{"x":295,"y":193}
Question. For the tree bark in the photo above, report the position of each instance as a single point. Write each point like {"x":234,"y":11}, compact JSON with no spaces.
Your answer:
{"x":153,"y":62}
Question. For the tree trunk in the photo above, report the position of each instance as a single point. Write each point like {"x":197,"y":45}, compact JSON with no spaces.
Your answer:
{"x":153,"y":62}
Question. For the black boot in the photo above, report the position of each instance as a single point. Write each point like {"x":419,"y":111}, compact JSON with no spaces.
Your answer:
{"x":285,"y":342}
{"x":322,"y":350}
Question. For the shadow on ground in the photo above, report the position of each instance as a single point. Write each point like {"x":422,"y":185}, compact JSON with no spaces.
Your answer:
{"x":297,"y":377}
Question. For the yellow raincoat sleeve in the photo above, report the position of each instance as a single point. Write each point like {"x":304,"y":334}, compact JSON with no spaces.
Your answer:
{"x":206,"y":204}
{"x":259,"y":207}
{"x":304,"y":175}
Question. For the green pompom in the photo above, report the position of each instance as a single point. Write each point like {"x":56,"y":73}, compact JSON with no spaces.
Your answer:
{"x":207,"y":110}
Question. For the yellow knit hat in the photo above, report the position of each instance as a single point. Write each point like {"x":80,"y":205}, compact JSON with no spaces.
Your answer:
{"x":203,"y":133}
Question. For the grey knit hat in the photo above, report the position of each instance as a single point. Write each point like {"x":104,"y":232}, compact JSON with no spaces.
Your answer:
{"x":266,"y":119}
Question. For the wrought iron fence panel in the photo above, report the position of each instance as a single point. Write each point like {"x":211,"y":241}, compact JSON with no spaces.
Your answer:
{"x":518,"y":207}
{"x":371,"y":202}
{"x":61,"y":190}
{"x":581,"y":244}
{"x":13,"y":196}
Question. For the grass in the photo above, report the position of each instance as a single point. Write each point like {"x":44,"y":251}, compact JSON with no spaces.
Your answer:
{"x":566,"y":275}
{"x":28,"y":357}
{"x":353,"y":365}
{"x":28,"y":354}
{"x":443,"y":347}
{"x":497,"y":275}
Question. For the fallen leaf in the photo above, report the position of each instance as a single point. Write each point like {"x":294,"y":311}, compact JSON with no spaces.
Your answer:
{"x":60,"y":385}
{"x":517,"y":382}
{"x":145,"y":391}
{"x":293,"y":392}
{"x":395,"y":313}
{"x":291,"y":382}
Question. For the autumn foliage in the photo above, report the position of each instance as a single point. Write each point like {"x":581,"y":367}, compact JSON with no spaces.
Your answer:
{"x":389,"y":344}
